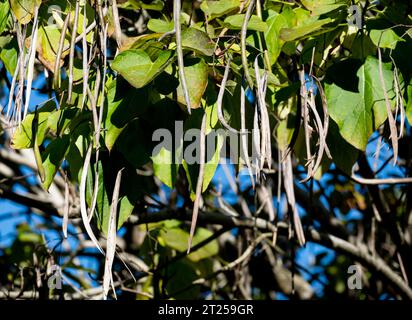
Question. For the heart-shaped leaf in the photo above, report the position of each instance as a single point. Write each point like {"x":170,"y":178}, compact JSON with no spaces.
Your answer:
{"x":160,"y":26}
{"x":137,"y":68}
{"x":48,"y":45}
{"x":385,"y":38}
{"x":24,"y":9}
{"x":358,"y":114}
{"x":23,"y":136}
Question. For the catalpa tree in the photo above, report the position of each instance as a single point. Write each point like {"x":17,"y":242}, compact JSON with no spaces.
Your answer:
{"x":205,"y":149}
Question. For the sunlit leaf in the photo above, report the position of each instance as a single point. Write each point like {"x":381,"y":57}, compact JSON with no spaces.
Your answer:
{"x":385,"y":38}
{"x":302,"y":31}
{"x":160,"y":26}
{"x":23,"y":10}
{"x":198,"y":41}
{"x":137,"y":68}
{"x":214,"y":9}
{"x":318,"y":7}
{"x":358,"y":114}
{"x":255,"y":23}
{"x":177,"y":238}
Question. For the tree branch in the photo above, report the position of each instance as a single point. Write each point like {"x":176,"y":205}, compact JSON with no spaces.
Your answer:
{"x":374,"y":263}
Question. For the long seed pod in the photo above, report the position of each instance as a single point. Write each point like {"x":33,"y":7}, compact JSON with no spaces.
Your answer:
{"x":179,"y":51}
{"x":57,"y":80}
{"x":111,"y":238}
{"x":117,"y":28}
{"x":243,"y":135}
{"x":305,"y":116}
{"x":83,"y":206}
{"x":290,"y":194}
{"x":36,"y":149}
{"x":85,"y":58}
{"x":220,"y":99}
{"x":256,"y":144}
{"x":199,"y":184}
{"x":391,"y":119}
{"x":32,"y":57}
{"x":66,"y":207}
{"x":72,"y":51}
{"x":243,"y":33}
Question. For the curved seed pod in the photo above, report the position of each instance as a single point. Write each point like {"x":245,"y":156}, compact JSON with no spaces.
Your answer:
{"x":220,"y":99}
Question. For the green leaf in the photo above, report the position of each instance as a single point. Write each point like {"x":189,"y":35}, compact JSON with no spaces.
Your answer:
{"x":408,"y":107}
{"x":385,"y":38}
{"x":304,"y":30}
{"x":104,"y":199}
{"x":23,"y":136}
{"x":181,"y":274}
{"x":235,"y":22}
{"x":160,"y":26}
{"x":214,"y":143}
{"x":48,"y":45}
{"x":210,"y":166}
{"x":344,"y":155}
{"x":9,"y":55}
{"x":124,"y":103}
{"x":133,"y":143}
{"x":197,"y":41}
{"x":196,"y":72}
{"x":318,"y":7}
{"x":214,"y":9}
{"x":53,"y":157}
{"x":23,"y":10}
{"x":166,"y":83}
{"x":286,"y":105}
{"x":4,"y":14}
{"x":272,"y":36}
{"x":165,"y":167}
{"x":137,"y":68}
{"x":155,"y":5}
{"x":358,"y":114}
{"x":177,"y":239}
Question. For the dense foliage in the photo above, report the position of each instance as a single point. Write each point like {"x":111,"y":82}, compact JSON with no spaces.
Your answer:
{"x":326,"y":106}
